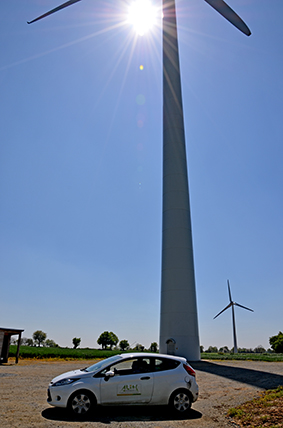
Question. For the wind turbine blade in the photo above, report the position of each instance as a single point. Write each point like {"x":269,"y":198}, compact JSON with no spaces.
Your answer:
{"x":228,"y":13}
{"x":62,"y":6}
{"x":229,"y":291}
{"x":244,"y":307}
{"x":227,"y":307}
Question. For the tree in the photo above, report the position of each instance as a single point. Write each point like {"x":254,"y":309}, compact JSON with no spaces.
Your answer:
{"x":259,"y":349}
{"x":276,"y":342}
{"x":39,"y":337}
{"x":154,"y":347}
{"x":107,"y":339}
{"x":212,"y":349}
{"x":76,"y":342}
{"x":29,"y":342}
{"x":124,"y":344}
{"x":139,"y":347}
{"x":244,"y":350}
{"x":50,"y":343}
{"x":224,"y":349}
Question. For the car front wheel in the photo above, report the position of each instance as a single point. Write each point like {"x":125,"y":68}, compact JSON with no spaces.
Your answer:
{"x":180,"y":402}
{"x":81,"y":403}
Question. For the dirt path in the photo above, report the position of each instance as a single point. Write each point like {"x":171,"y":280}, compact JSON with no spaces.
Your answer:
{"x":222,"y":385}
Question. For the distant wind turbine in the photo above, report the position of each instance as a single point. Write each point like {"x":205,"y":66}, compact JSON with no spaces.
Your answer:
{"x":232,"y":304}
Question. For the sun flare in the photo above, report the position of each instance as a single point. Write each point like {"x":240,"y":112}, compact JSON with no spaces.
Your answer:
{"x":142,"y":16}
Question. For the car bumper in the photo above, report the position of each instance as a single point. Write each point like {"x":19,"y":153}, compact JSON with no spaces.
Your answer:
{"x":56,"y":398}
{"x":194,"y":391}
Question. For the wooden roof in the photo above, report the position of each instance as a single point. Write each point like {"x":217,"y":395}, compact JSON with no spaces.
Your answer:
{"x":11,"y":330}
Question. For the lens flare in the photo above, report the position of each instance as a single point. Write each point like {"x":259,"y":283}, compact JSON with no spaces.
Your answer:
{"x":140,"y":99}
{"x":142,"y":16}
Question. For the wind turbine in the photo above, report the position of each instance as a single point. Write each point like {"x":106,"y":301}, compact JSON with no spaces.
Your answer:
{"x":232,"y":304}
{"x":178,"y":315}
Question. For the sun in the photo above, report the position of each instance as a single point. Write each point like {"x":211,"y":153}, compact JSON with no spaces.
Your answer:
{"x":142,"y":16}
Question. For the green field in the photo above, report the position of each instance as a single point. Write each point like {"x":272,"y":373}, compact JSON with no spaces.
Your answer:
{"x":88,"y":353}
{"x":60,"y":353}
{"x":240,"y":356}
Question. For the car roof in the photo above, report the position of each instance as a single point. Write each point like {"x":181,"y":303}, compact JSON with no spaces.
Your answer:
{"x":152,"y":355}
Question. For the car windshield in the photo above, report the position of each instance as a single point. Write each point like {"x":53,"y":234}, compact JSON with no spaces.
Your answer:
{"x":101,"y":364}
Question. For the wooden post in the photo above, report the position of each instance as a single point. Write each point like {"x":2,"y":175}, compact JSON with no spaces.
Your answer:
{"x":18,"y":348}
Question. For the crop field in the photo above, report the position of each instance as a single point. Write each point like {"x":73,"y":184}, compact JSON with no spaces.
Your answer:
{"x":61,"y":353}
{"x":242,"y":357}
{"x":89,"y":353}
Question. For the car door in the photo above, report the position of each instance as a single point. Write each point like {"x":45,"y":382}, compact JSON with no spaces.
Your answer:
{"x":132,"y":383}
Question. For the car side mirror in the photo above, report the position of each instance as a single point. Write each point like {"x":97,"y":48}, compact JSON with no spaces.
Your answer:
{"x":108,"y":374}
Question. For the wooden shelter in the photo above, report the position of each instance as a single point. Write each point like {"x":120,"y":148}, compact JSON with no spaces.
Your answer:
{"x":5,"y":340}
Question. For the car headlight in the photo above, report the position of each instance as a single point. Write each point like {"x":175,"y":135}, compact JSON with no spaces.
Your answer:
{"x":66,"y":381}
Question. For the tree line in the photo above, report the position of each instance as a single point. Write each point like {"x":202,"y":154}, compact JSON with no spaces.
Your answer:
{"x":276,"y":345}
{"x":225,"y":350}
{"x":108,"y":340}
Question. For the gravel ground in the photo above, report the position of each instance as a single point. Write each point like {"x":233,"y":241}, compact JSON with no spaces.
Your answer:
{"x":222,"y":385}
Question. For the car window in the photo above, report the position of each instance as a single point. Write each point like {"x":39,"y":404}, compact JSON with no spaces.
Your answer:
{"x":162,"y":364}
{"x":129,"y":367}
{"x":97,"y":366}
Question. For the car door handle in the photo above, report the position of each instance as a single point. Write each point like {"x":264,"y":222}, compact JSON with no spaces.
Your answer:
{"x":145,"y":378}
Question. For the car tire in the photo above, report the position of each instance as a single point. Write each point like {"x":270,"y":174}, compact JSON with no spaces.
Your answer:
{"x":81,"y":403}
{"x":180,"y":402}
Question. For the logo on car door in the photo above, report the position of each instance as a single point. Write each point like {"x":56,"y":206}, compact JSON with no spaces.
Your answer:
{"x":129,"y":389}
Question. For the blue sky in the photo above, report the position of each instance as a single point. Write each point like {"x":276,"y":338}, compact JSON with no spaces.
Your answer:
{"x":81,"y":177}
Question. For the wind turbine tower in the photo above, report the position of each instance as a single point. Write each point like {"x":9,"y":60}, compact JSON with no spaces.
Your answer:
{"x":231,"y":305}
{"x":178,"y":315}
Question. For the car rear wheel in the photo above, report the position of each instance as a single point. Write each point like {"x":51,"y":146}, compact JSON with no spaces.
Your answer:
{"x":180,"y":402}
{"x":81,"y":403}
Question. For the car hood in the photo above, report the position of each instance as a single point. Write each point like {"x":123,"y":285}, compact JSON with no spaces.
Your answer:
{"x":74,"y":373}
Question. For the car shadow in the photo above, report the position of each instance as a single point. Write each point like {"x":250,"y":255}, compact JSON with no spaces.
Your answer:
{"x":111,"y":414}
{"x":257,"y":378}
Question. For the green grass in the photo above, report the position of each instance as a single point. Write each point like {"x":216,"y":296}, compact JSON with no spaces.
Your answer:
{"x":60,"y":353}
{"x":262,"y":412}
{"x":246,"y":357}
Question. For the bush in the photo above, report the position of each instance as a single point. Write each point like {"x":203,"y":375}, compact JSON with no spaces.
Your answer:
{"x":50,"y":343}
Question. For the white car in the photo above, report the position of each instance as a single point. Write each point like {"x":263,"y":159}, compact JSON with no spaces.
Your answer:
{"x":127,"y":379}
